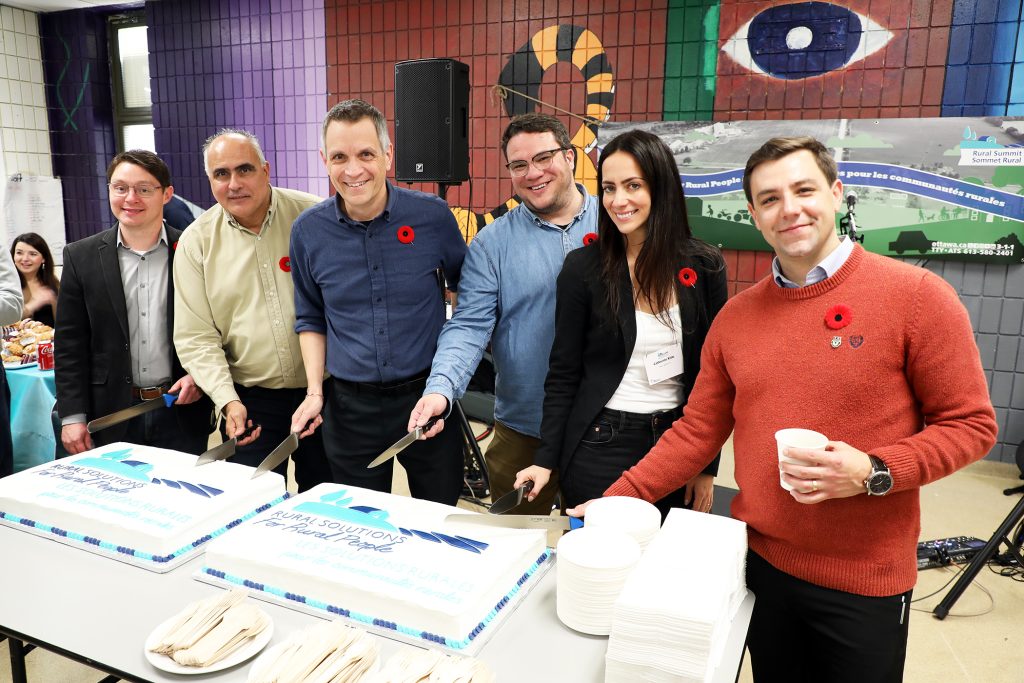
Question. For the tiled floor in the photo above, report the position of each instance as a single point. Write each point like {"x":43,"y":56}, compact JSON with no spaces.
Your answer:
{"x":982,"y":641}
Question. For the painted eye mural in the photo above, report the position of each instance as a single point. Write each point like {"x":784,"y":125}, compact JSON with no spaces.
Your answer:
{"x":805,"y":39}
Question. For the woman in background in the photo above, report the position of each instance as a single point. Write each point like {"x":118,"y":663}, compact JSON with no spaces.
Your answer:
{"x":39,"y":283}
{"x":631,"y":317}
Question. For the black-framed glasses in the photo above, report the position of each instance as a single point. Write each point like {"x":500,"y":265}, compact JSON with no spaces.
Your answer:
{"x":540,"y":161}
{"x":144,"y":191}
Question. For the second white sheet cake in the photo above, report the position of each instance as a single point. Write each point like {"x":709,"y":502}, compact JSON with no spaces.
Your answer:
{"x":388,"y":563}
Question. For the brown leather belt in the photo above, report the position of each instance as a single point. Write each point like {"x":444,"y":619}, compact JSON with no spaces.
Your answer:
{"x":148,"y":393}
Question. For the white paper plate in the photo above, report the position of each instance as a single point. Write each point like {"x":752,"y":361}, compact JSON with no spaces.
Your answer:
{"x":247,"y":651}
{"x":19,"y":366}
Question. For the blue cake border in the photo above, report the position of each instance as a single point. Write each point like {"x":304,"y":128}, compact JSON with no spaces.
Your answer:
{"x":86,"y":542}
{"x":336,"y":610}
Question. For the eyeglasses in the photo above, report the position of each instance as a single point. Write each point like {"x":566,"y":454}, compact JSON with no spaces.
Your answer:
{"x":144,"y":191}
{"x":540,"y":161}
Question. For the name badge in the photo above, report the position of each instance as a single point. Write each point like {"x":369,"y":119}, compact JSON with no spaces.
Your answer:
{"x":663,"y":364}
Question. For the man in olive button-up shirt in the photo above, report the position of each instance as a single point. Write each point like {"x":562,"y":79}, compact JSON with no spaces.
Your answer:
{"x":234,"y":309}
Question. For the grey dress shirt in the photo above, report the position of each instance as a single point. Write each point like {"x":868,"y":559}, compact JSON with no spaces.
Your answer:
{"x":144,"y":276}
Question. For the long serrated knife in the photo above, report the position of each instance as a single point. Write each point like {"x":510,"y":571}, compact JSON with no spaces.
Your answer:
{"x":403,"y":443}
{"x":278,"y":455}
{"x":119,"y":416}
{"x":516,"y":521}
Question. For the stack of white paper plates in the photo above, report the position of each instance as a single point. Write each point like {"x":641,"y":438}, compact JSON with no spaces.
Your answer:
{"x":636,"y":517}
{"x":592,"y":566}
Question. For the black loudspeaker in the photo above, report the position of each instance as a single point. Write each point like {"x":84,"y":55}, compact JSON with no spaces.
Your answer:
{"x":431,"y":121}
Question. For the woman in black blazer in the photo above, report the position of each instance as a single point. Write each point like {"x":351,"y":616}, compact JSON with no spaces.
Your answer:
{"x":632,"y":313}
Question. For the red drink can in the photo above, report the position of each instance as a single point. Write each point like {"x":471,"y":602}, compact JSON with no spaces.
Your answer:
{"x":45,"y":353}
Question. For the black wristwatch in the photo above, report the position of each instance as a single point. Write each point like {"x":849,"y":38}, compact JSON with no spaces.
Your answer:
{"x":879,"y":481}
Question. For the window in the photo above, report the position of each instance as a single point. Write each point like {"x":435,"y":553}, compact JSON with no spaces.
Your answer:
{"x":129,"y":68}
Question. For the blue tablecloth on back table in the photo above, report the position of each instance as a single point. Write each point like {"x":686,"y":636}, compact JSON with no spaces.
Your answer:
{"x":32,"y":397}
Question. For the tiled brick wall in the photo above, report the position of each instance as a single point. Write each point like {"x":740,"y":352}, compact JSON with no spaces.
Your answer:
{"x":986,"y":50}
{"x":903,"y":79}
{"x":257,"y":65}
{"x":994,"y":297}
{"x":691,"y":58}
{"x":275,"y":67}
{"x":77,"y":73}
{"x":26,"y":138}
{"x":744,"y":268}
{"x":366,"y":37}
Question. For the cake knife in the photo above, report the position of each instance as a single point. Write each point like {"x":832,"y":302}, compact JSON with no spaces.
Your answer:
{"x":119,"y":416}
{"x":511,"y":500}
{"x":403,"y":443}
{"x":224,"y":450}
{"x":517,"y":521}
{"x":278,"y":455}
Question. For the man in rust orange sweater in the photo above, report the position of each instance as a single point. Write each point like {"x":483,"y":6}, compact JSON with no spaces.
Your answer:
{"x":876,"y":354}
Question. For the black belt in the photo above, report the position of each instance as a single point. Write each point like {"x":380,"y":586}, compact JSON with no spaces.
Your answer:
{"x":402,"y":386}
{"x":149,"y":393}
{"x":659,"y":418}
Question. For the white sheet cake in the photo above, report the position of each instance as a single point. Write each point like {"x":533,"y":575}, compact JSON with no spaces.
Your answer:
{"x":384,"y":561}
{"x":147,"y":506}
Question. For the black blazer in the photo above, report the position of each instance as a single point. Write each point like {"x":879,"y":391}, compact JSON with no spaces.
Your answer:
{"x":591,"y":350}
{"x":92,"y":358}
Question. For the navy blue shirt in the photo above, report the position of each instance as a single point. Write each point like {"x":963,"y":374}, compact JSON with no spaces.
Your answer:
{"x":374,"y":289}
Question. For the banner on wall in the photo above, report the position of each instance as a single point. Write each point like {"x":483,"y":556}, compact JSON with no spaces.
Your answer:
{"x":35,"y":204}
{"x":948,"y":188}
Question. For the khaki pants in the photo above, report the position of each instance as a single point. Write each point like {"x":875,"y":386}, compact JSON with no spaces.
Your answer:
{"x":509,"y":452}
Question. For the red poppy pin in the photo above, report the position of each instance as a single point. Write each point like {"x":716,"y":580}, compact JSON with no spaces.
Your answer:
{"x":406,"y":234}
{"x":285,"y":264}
{"x":589,"y":238}
{"x":688,"y":276}
{"x":174,"y":247}
{"x":839,"y":316}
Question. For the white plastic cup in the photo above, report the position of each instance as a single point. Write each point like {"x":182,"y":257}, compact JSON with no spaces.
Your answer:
{"x":797,"y":438}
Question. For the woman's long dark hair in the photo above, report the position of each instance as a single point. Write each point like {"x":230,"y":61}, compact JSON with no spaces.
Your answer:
{"x":669,"y":244}
{"x":46,"y":274}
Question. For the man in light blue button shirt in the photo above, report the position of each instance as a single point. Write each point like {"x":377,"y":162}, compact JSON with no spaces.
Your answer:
{"x":507,"y":297}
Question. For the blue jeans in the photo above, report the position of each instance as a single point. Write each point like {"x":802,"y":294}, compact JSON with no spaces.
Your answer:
{"x":615,"y":441}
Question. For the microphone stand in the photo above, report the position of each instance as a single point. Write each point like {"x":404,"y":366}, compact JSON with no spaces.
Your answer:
{"x":848,"y":224}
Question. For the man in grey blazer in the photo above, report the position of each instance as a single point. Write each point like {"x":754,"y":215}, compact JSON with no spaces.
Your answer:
{"x":115,"y":313}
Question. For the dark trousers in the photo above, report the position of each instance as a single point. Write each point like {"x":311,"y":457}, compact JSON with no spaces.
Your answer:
{"x":362,"y":420}
{"x":161,"y":428}
{"x":613,"y":443}
{"x":6,"y":447}
{"x":803,"y":632}
{"x":272,"y":409}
